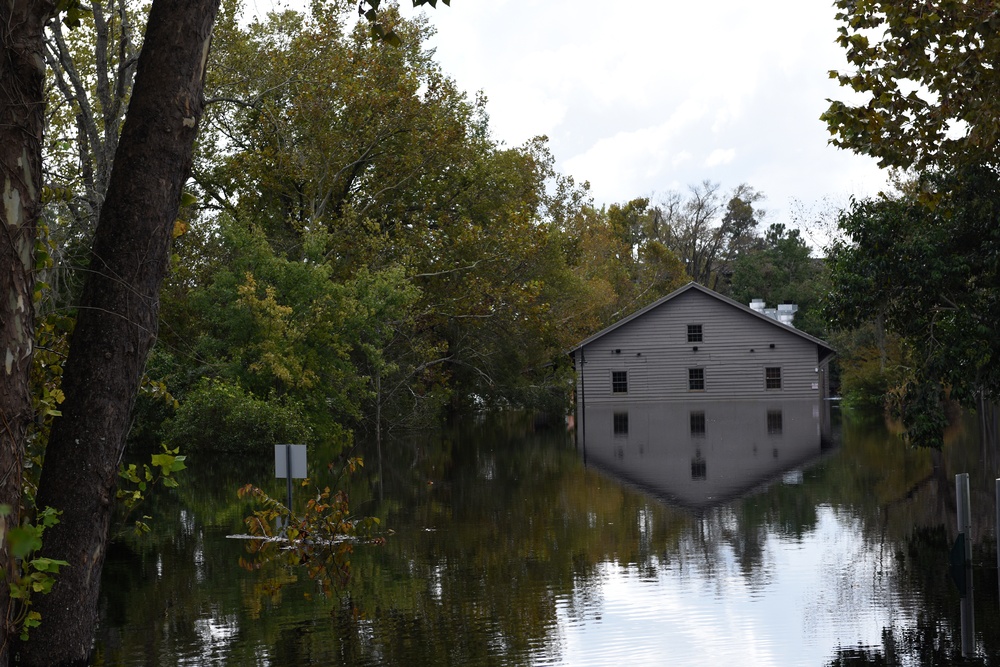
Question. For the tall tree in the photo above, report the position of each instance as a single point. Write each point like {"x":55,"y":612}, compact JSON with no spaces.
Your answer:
{"x":927,"y":268}
{"x":617,"y":263}
{"x":92,"y":69}
{"x":22,"y":81}
{"x":692,"y":231}
{"x":706,"y":234}
{"x":369,"y":159}
{"x":924,"y":263}
{"x":118,"y":308}
{"x":117,"y":319}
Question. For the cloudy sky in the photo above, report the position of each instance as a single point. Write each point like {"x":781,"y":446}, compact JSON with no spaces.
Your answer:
{"x":643,"y":97}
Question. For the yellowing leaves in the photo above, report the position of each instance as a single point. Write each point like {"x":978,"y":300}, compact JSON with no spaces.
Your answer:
{"x":279,"y":332}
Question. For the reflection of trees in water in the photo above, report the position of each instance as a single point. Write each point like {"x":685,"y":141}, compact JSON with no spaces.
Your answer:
{"x":718,"y":540}
{"x":876,"y":485}
{"x":929,"y":641}
{"x":501,"y":534}
{"x":924,"y":644}
{"x":918,"y":527}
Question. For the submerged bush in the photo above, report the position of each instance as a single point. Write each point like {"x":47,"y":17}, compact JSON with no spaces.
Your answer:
{"x":221,"y":416}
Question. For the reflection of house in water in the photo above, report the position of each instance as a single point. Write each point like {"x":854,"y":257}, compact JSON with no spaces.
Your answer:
{"x":701,"y":453}
{"x":701,"y":398}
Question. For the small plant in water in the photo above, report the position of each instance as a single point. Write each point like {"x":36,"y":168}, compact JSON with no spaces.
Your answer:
{"x":321,"y":539}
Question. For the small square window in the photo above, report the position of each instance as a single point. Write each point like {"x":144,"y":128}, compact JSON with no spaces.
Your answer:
{"x":696,"y":379}
{"x":620,"y":423}
{"x":619,"y":382}
{"x":772,"y":378}
{"x":774,"y":422}
{"x":697,"y":423}
{"x":694,"y":333}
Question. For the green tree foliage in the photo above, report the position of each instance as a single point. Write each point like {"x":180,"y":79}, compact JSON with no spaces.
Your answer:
{"x":364,"y":169}
{"x":221,"y":416}
{"x":332,"y":131}
{"x":618,"y":265}
{"x":927,"y":267}
{"x":270,"y":333}
{"x":869,"y":363}
{"x":928,"y":82}
{"x":35,"y":574}
{"x":779,"y":268}
{"x":923,"y":265}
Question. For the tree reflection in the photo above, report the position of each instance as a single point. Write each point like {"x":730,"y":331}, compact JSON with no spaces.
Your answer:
{"x":503,"y":536}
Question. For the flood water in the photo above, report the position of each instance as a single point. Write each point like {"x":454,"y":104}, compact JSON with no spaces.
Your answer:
{"x":711,"y":534}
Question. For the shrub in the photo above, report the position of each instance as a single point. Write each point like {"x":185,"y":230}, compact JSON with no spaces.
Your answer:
{"x":221,"y":416}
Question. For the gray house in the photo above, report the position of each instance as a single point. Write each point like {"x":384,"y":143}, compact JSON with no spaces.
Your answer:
{"x":695,"y":344}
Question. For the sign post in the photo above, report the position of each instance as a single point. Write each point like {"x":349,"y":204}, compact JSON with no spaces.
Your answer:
{"x":963,"y":555}
{"x":289,"y":463}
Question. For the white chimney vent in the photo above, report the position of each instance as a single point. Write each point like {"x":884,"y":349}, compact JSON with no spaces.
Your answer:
{"x":784,"y":313}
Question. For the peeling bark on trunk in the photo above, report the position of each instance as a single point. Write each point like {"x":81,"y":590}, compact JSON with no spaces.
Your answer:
{"x":22,"y":80}
{"x":117,"y":321}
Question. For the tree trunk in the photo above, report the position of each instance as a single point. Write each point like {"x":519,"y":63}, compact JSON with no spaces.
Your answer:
{"x":22,"y":73}
{"x":117,"y":321}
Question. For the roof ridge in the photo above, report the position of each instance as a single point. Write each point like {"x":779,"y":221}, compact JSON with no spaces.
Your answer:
{"x":704,"y":290}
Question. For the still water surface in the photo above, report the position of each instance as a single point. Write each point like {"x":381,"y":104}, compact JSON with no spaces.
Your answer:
{"x":739,"y":534}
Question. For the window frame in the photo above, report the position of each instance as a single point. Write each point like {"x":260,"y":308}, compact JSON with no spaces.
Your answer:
{"x":772,"y":378}
{"x":619,"y":382}
{"x":695,"y":333}
{"x":696,"y":375}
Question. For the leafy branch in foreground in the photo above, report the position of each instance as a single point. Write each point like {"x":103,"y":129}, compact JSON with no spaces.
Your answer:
{"x":138,"y":481}
{"x":34,"y":574}
{"x":322,"y":538}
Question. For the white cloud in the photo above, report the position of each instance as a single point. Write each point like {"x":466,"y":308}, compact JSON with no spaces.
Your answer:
{"x":629,"y":95}
{"x":720,"y":156}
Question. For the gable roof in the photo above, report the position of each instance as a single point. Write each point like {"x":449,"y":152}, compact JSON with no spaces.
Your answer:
{"x":715,"y":295}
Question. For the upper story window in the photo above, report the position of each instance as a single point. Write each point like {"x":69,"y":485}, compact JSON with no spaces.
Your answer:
{"x":694,"y":333}
{"x":772,"y":377}
{"x":696,"y":379}
{"x":619,"y":382}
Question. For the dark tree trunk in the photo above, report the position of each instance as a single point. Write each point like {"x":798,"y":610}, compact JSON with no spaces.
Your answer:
{"x":117,"y":320}
{"x":22,"y":81}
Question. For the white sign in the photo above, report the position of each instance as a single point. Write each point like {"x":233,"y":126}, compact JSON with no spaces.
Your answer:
{"x":290,"y":454}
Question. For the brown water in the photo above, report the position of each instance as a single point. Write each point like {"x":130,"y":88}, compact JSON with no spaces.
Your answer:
{"x":753,"y":540}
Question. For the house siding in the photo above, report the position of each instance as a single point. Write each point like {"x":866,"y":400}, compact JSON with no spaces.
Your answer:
{"x":735,"y":349}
